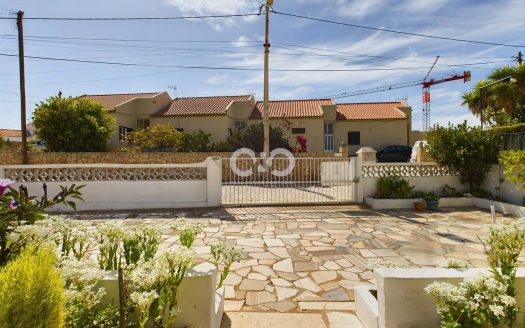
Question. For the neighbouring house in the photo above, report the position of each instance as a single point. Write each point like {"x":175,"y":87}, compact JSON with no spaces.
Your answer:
{"x":375,"y":124}
{"x":131,"y":110}
{"x":311,"y":118}
{"x":218,"y":116}
{"x":11,"y":135}
{"x":325,"y":124}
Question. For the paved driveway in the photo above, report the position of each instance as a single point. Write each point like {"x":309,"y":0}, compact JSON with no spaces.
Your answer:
{"x":308,"y":259}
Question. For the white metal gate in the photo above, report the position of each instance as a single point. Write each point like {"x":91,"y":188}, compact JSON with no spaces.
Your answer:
{"x":312,"y":180}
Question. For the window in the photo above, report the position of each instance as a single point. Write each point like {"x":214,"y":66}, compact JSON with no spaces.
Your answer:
{"x":298,"y":130}
{"x":230,"y":132}
{"x":329,"y":136}
{"x":240,"y":124}
{"x":180,"y":129}
{"x":354,"y":138}
{"x":143,"y":123}
{"x":122,"y":131}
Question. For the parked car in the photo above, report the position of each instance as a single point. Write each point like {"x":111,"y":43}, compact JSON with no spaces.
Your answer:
{"x":418,"y":144}
{"x":394,"y":153}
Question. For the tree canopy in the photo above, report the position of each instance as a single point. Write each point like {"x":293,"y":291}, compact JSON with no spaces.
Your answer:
{"x":503,"y":103}
{"x":73,"y":124}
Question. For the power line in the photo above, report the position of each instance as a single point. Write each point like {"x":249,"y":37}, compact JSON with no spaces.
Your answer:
{"x":133,"y":18}
{"x":216,"y":67}
{"x":395,"y":31}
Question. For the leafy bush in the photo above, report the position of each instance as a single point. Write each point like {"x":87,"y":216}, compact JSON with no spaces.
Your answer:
{"x":224,"y":257}
{"x":197,"y":141}
{"x":469,"y":151}
{"x":252,"y":137}
{"x":32,"y":292}
{"x":73,"y":124}
{"x":485,"y":300}
{"x":431,"y":197}
{"x":18,"y":208}
{"x":514,"y":162}
{"x":156,"y":138}
{"x":393,"y":187}
{"x":515,"y":128}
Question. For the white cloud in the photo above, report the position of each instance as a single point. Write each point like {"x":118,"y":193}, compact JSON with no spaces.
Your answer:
{"x":422,"y":6}
{"x":216,"y":7}
{"x":359,"y":8}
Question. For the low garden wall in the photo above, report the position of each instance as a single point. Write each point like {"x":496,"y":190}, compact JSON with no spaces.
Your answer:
{"x":126,"y":186}
{"x":402,"y":301}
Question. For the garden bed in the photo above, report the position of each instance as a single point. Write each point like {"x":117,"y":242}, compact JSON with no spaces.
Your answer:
{"x":402,"y":301}
{"x":201,"y":306}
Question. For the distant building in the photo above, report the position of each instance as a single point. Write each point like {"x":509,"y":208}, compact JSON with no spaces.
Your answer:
{"x":325,"y":124}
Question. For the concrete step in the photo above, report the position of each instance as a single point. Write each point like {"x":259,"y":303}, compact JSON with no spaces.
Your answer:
{"x":290,"y":320}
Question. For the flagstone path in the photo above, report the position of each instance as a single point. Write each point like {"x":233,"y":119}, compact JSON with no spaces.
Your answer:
{"x":309,"y":259}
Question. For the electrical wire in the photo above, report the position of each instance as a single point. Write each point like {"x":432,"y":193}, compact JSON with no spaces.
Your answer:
{"x":133,"y":18}
{"x":396,"y":31}
{"x":214,"y":67}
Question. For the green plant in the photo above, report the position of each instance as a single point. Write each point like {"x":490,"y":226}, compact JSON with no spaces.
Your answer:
{"x":431,"y":197}
{"x":143,"y":302}
{"x":197,"y":141}
{"x":18,"y":208}
{"x":485,"y":301}
{"x":455,"y":264}
{"x":252,"y":137}
{"x":468,"y":151}
{"x":149,"y":242}
{"x":131,"y":247}
{"x":156,"y":138}
{"x":448,"y":191}
{"x":393,"y":186}
{"x":502,"y":102}
{"x":31,"y":291}
{"x":188,"y":232}
{"x":73,"y":124}
{"x":110,"y":235}
{"x":175,"y":264}
{"x":514,"y":163}
{"x":83,"y":298}
{"x":75,"y":237}
{"x":224,"y":257}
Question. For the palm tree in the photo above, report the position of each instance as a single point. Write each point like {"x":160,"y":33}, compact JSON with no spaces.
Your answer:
{"x":503,"y":103}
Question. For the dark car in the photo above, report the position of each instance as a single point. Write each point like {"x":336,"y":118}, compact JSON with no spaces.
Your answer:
{"x":392,"y":154}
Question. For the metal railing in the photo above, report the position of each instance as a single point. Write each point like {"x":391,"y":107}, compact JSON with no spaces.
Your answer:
{"x":253,"y":181}
{"x":513,"y":141}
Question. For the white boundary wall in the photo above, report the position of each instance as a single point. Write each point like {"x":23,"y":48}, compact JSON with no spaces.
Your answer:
{"x":403,"y":302}
{"x":116,"y":186}
{"x":428,"y":177}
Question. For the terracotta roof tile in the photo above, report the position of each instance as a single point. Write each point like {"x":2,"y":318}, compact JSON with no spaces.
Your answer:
{"x":201,"y":105}
{"x":292,"y":108}
{"x":9,"y":133}
{"x":110,"y":101}
{"x":371,"y":111}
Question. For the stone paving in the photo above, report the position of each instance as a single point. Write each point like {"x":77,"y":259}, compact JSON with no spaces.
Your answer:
{"x":309,"y":259}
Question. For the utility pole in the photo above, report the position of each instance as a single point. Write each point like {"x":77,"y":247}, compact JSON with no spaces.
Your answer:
{"x":19,"y":24}
{"x":266,"y":111}
{"x":520,"y":58}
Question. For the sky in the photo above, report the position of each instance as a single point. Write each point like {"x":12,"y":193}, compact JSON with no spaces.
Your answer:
{"x":295,"y":44}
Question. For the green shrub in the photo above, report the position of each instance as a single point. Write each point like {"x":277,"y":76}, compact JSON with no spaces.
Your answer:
{"x":156,"y":138}
{"x":252,"y":137}
{"x":468,"y":151}
{"x":515,"y":128}
{"x":197,"y":141}
{"x":73,"y":124}
{"x":393,"y":187}
{"x":514,"y":162}
{"x":32,"y":292}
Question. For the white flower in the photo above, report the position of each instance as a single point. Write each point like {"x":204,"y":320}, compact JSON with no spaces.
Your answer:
{"x":143,"y":300}
{"x":498,"y":310}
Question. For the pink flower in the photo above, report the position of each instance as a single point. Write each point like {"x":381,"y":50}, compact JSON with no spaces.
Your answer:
{"x":4,"y":184}
{"x":12,"y":204}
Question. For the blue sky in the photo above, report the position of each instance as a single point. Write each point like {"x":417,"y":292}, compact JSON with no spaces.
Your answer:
{"x":494,"y":21}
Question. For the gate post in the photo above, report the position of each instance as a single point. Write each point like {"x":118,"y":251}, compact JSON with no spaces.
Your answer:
{"x":364,"y":155}
{"x":213,"y":181}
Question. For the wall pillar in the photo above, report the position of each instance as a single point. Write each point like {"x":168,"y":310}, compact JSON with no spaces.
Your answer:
{"x":365,"y":155}
{"x":214,"y":181}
